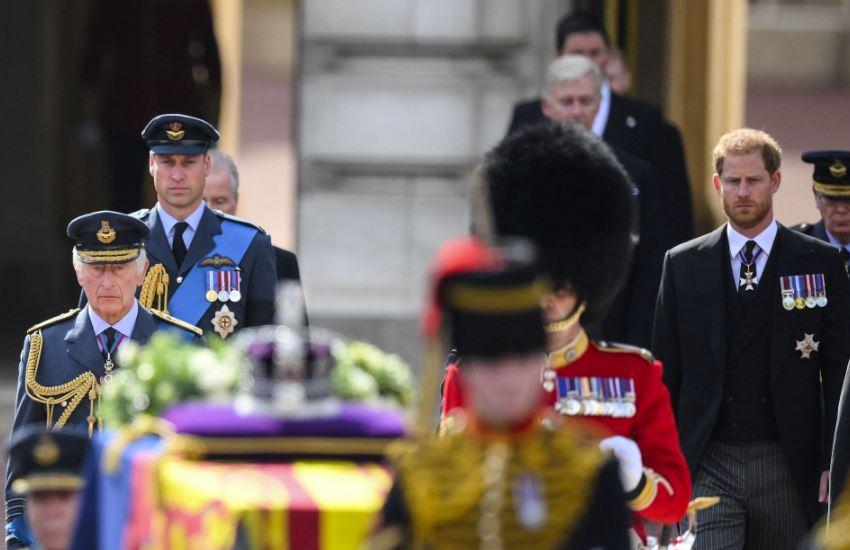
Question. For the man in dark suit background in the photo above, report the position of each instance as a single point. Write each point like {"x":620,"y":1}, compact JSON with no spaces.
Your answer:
{"x":221,"y":192}
{"x":633,"y":126}
{"x":751,"y":324}
{"x":572,"y":94}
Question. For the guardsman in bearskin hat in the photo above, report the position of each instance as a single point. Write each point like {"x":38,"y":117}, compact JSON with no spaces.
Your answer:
{"x":507,"y":472}
{"x":560,"y":187}
{"x":65,"y":359}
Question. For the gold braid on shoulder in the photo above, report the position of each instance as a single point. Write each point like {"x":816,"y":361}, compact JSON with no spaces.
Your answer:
{"x":70,"y":393}
{"x":155,"y":287}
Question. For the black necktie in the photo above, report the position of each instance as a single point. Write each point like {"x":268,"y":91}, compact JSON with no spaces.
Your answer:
{"x":178,"y":247}
{"x":747,"y":284}
{"x":110,"y":341}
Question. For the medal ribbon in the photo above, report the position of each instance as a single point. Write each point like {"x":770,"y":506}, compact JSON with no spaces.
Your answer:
{"x":211,"y":281}
{"x":744,"y":259}
{"x":798,"y":286}
{"x":785,"y":283}
{"x":115,"y":344}
{"x":821,"y":284}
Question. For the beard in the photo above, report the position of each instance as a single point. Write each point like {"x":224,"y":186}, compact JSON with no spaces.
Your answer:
{"x":751,"y":217}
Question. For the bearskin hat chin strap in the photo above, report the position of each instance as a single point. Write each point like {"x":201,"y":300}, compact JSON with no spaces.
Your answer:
{"x":565,"y":324}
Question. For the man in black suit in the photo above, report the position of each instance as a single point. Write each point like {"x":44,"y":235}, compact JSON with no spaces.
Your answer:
{"x":633,"y":126}
{"x":572,"y":94}
{"x":751,"y":324}
{"x":221,"y":192}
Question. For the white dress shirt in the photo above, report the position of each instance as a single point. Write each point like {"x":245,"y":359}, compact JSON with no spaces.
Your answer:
{"x":169,"y":221}
{"x":601,"y":118}
{"x":124,"y":326}
{"x":764,"y":240}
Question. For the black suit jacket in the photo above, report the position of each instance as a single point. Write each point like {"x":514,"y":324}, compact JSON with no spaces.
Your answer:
{"x":689,"y":336}
{"x":629,"y":318}
{"x":639,"y":129}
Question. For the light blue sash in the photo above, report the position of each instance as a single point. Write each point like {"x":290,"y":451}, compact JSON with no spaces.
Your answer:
{"x":188,"y":302}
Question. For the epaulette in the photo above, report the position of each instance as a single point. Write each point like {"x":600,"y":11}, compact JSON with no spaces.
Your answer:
{"x":237,"y":219}
{"x":805,"y":228}
{"x":177,"y":322}
{"x":613,"y":347}
{"x":53,"y":320}
{"x":141,"y":214}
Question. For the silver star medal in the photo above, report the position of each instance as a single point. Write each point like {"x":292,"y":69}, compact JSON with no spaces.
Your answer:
{"x":807,"y":345}
{"x":749,"y":280}
{"x":224,"y":321}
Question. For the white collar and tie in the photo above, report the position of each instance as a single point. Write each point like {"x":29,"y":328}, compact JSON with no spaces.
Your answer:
{"x":764,"y":243}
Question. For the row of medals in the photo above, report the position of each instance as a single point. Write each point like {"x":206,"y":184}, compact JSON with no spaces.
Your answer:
{"x":591,"y":404}
{"x":792,"y":298}
{"x":228,"y":288}
{"x":575,"y":405}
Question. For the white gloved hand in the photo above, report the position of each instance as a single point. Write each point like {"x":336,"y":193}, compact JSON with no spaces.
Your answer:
{"x":629,"y":457}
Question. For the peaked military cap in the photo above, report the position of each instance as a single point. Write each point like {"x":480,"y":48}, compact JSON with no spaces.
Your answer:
{"x":176,"y":134}
{"x":831,"y":176}
{"x":47,"y":461}
{"x":108,"y":237}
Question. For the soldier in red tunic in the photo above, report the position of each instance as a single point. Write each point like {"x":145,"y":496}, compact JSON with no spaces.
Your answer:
{"x":561,"y":188}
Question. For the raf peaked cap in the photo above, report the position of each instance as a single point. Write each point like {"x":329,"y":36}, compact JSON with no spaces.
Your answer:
{"x":107,"y":237}
{"x":47,"y":461}
{"x":176,"y":134}
{"x":831,"y":176}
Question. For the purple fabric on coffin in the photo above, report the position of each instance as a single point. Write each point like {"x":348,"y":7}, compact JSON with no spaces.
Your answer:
{"x":350,"y":420}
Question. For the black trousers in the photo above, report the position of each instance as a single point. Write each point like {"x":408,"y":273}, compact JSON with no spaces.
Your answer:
{"x":760,"y":506}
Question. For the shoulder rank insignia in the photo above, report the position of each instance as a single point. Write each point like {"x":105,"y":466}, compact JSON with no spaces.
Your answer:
{"x":612,"y":347}
{"x":177,"y":322}
{"x":217,"y":261}
{"x":53,"y":320}
{"x":237,"y":219}
{"x":141,"y":214}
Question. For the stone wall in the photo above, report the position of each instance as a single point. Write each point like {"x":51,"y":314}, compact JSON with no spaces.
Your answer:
{"x":398,"y":101}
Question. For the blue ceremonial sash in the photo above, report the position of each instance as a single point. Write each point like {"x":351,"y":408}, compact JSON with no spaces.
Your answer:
{"x":188,"y":302}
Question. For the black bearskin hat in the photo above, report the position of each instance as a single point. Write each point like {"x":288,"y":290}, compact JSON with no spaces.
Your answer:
{"x":562,"y":188}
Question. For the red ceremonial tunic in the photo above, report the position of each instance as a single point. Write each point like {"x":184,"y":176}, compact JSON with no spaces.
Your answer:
{"x":611,"y":372}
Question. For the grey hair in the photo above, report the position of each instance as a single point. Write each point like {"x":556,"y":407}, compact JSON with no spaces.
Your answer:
{"x":569,"y":68}
{"x":139,"y":262}
{"x":220,"y":157}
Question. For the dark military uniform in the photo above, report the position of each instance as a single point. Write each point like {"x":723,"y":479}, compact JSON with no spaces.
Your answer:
{"x":227,"y":279}
{"x":62,"y":364}
{"x":256,"y":271}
